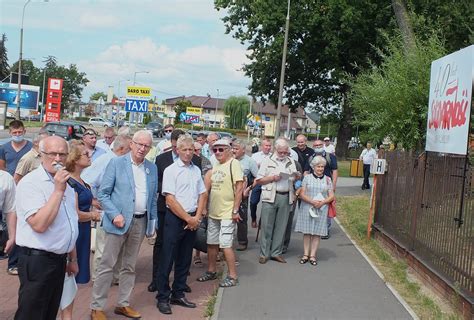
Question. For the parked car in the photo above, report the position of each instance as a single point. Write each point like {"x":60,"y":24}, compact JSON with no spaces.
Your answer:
{"x":31,"y":117}
{"x":156,"y":128}
{"x":223,"y":134}
{"x":100,"y":122}
{"x":66,"y":129}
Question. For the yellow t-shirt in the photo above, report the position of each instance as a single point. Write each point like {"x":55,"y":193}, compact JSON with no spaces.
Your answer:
{"x":221,"y":203}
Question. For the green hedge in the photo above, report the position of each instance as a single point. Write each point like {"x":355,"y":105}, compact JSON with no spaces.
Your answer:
{"x":85,"y":119}
{"x":189,"y":127}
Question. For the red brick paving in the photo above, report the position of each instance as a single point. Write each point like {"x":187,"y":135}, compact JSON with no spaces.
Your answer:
{"x":141,"y":299}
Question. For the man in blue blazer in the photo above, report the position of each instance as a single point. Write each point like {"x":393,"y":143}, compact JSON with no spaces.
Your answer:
{"x":128,"y":195}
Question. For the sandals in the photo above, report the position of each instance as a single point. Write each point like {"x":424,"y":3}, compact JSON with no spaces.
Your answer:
{"x":207,"y":276}
{"x":228,"y":282}
{"x":304,"y":259}
{"x":197,"y":261}
{"x":313,"y":261}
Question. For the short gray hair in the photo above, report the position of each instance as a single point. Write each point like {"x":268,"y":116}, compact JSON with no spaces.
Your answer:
{"x":281,"y":143}
{"x":184,"y":139}
{"x":121,"y":141}
{"x":239,"y":142}
{"x":124,"y":130}
{"x":317,"y":161}
{"x":143,"y":132}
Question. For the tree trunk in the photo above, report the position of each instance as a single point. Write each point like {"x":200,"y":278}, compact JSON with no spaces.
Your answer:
{"x":344,"y":133}
{"x":404,"y":24}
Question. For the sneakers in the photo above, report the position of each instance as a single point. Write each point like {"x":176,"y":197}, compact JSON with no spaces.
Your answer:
{"x":13,"y":271}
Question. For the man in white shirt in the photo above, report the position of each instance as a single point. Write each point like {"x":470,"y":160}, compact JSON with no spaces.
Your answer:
{"x":185,"y":193}
{"x":328,"y":146}
{"x":47,"y":230}
{"x":7,"y":207}
{"x":107,"y":142}
{"x":265,"y":152}
{"x":368,"y":156}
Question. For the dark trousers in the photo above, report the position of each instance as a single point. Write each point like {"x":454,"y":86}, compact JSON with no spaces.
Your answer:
{"x":242,"y":226}
{"x":289,"y":225}
{"x":13,"y":257}
{"x":41,"y":285}
{"x":254,"y":200}
{"x":366,"y":176}
{"x":157,"y":246}
{"x":177,"y":247}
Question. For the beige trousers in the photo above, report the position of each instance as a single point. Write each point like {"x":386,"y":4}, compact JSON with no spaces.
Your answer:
{"x":99,"y":249}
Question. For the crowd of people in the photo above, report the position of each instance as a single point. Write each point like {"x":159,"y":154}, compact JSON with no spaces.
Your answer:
{"x":54,"y":193}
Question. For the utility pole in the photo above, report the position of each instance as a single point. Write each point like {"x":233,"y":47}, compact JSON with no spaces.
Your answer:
{"x":282,"y":74}
{"x":215,"y":115}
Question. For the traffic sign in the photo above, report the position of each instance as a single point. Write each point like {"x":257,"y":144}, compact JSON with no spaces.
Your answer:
{"x":136,"y":105}
{"x":378,"y":166}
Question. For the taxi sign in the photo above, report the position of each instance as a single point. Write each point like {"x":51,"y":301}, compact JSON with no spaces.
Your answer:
{"x":134,"y":91}
{"x":194,"y":111}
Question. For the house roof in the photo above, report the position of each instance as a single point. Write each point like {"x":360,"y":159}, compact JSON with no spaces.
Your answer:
{"x":257,"y":107}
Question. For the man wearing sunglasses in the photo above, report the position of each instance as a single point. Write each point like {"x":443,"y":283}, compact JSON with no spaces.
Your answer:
{"x":90,"y":140}
{"x":225,"y":183}
{"x":167,"y":130}
{"x":107,"y":142}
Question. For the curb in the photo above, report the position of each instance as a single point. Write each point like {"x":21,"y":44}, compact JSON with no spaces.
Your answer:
{"x":377,"y":271}
{"x":217,"y":305}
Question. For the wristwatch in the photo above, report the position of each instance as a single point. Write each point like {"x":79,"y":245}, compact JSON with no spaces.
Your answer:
{"x":235,"y":212}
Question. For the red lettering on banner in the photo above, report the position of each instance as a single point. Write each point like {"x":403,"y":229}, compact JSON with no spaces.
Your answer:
{"x":448,"y":112}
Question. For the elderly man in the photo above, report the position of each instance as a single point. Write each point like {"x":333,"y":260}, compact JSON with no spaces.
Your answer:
{"x":109,"y":137}
{"x":265,"y":152}
{"x":225,"y":183}
{"x":186,"y":198}
{"x":328,"y":146}
{"x":162,"y":162}
{"x":7,"y":208}
{"x":207,"y":148}
{"x":90,"y":140}
{"x":93,"y":177}
{"x":250,"y":171}
{"x":276,"y":175}
{"x":31,"y":160}
{"x":47,"y":230}
{"x":128,"y":197}
{"x":367,"y":156}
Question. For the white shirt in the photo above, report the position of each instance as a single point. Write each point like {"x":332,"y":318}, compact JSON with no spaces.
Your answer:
{"x":103,"y":145}
{"x":259,"y":156}
{"x":368,"y":156}
{"x":139,"y":177}
{"x":185,"y":183}
{"x":33,"y":191}
{"x":282,"y":185}
{"x":7,"y":193}
{"x":330,"y":149}
{"x":293,"y":154}
{"x":213,"y":160}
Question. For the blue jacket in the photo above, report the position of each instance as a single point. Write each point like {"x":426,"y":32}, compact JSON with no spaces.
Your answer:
{"x":117,"y":193}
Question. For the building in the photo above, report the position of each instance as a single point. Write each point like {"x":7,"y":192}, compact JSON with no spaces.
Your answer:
{"x":263,"y":114}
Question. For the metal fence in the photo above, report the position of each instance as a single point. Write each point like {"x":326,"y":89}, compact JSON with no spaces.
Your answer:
{"x":426,"y":204}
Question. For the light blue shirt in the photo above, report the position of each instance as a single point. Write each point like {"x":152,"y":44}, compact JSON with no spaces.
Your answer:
{"x":248,"y":165}
{"x":93,"y":174}
{"x":97,"y":153}
{"x":185,"y":183}
{"x":205,"y":151}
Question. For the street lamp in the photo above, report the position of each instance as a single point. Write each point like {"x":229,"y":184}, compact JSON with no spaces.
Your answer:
{"x":282,"y":74}
{"x":118,"y":98}
{"x":18,"y":96}
{"x":134,"y":81}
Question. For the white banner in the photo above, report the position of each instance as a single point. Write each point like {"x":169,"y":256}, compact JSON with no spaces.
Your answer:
{"x":450,"y":100}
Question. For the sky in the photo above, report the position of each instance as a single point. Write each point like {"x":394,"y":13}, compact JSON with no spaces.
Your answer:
{"x":180,"y":43}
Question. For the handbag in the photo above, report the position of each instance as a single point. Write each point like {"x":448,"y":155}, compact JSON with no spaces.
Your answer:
{"x":332,"y":209}
{"x":200,"y":243}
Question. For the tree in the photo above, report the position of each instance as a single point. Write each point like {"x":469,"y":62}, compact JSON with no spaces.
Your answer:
{"x":180,"y":107}
{"x":4,"y":67}
{"x":236,"y":108}
{"x":96,"y":96}
{"x":391,"y":100}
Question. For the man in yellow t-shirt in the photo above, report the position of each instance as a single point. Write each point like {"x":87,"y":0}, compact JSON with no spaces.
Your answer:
{"x":225,"y":183}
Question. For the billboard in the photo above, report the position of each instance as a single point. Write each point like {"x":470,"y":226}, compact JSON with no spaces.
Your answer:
{"x":449,"y":108}
{"x":29,"y":96}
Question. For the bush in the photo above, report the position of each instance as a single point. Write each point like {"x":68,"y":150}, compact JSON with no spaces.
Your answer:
{"x":84,"y":119}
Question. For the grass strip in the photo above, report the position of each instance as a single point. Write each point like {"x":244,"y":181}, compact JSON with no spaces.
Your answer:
{"x":353,"y":214}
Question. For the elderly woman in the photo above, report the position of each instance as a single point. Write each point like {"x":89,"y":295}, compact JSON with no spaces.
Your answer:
{"x":77,"y":160}
{"x":316,"y":193}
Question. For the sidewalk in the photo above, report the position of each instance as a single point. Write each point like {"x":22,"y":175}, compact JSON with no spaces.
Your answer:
{"x":141,"y":299}
{"x":342,"y":286}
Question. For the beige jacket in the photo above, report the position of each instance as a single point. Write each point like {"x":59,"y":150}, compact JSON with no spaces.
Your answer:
{"x":269,"y":167}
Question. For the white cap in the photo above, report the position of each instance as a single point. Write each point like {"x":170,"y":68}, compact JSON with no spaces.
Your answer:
{"x":327,"y":139}
{"x":222,"y":142}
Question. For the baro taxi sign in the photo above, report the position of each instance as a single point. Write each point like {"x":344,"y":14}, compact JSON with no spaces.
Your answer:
{"x":133,"y":91}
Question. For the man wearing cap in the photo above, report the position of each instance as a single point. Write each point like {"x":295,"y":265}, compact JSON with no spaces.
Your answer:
{"x":328,"y":146}
{"x":90,"y":140}
{"x":225,"y":185}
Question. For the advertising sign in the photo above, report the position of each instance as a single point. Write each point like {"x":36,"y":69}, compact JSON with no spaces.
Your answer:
{"x":133,"y":91}
{"x":136,"y":105}
{"x":53,"y":100}
{"x":450,"y":101}
{"x":194,"y":111}
{"x":29,"y":96}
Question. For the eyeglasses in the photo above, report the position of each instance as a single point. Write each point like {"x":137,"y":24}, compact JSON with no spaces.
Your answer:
{"x":53,"y":155}
{"x":168,"y":131}
{"x":90,"y":133}
{"x":141,"y":145}
{"x":215,"y":150}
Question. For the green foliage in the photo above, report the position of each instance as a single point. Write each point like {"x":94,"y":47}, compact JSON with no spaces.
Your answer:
{"x":391,"y":100}
{"x":180,"y":107}
{"x":236,"y":108}
{"x":4,"y":67}
{"x":96,"y":96}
